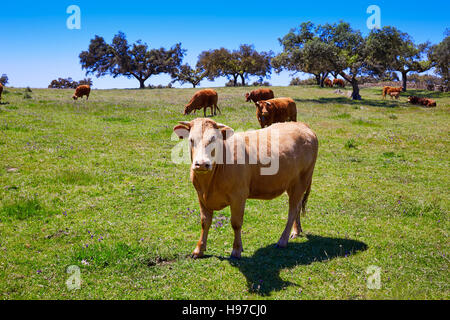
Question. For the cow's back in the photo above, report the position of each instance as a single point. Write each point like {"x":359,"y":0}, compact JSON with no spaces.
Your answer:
{"x":296,"y":152}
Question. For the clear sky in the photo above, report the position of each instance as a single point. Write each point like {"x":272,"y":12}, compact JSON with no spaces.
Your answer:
{"x":36,"y":46}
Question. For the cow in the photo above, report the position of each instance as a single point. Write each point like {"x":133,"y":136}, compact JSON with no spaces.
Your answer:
{"x":203,"y":99}
{"x":394,"y":94}
{"x":388,"y":90}
{"x":82,"y":90}
{"x":339,"y":83}
{"x":275,"y":110}
{"x":1,"y":90}
{"x":259,"y":94}
{"x":220,"y":180}
{"x":422,"y":101}
{"x":327,"y":82}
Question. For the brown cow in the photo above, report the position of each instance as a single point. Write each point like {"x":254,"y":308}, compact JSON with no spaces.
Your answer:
{"x":328,"y":83}
{"x":221,"y":180}
{"x":422,"y":101}
{"x":82,"y":90}
{"x":259,"y":94}
{"x":275,"y":110}
{"x":1,"y":90}
{"x":388,"y":90}
{"x":339,"y":83}
{"x":203,"y":99}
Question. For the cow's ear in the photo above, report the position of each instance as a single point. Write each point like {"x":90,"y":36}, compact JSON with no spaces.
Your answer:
{"x":182,"y":129}
{"x":226,"y":131}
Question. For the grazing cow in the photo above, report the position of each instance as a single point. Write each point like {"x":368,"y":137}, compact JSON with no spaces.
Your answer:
{"x":259,"y":94}
{"x":422,"y":101}
{"x":388,"y":90}
{"x":203,"y":99}
{"x":275,"y":110}
{"x":327,"y":82}
{"x":220,"y":183}
{"x":339,"y":83}
{"x":82,"y":90}
{"x":1,"y":90}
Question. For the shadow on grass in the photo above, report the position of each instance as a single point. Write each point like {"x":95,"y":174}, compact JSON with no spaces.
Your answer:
{"x":262,"y":270}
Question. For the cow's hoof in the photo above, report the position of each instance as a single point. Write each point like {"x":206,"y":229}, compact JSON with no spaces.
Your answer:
{"x":294,"y":235}
{"x":195,"y":255}
{"x":235,"y":254}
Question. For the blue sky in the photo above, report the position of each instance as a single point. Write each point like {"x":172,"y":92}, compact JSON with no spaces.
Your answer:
{"x":36,"y":46}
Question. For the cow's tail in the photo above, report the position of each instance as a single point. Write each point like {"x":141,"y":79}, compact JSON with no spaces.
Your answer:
{"x":305,"y":198}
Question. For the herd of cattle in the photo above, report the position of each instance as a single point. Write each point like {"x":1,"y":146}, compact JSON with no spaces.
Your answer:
{"x":394,"y":92}
{"x":220,"y":183}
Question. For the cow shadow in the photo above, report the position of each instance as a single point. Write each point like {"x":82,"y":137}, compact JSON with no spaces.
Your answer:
{"x":262,"y":269}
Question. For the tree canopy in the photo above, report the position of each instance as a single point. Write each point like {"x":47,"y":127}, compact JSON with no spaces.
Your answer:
{"x":390,"y":49}
{"x":441,"y":58}
{"x":122,"y":59}
{"x":335,"y":48}
{"x":237,"y":64}
{"x":186,"y":74}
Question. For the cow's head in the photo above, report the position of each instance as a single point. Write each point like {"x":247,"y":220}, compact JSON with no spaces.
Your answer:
{"x":205,"y":139}
{"x":74,"y":97}
{"x":247,"y":97}
{"x":188,"y":109}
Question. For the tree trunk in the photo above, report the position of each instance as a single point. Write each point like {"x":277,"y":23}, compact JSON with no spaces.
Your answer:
{"x":235,"y":77}
{"x":141,"y":84}
{"x":317,"y":79}
{"x":193,"y":85}
{"x":355,"y":93}
{"x":404,"y":80}
{"x":243,"y":80}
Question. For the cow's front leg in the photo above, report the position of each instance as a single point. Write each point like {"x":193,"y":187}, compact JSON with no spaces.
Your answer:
{"x":237,"y":218}
{"x":206,"y":219}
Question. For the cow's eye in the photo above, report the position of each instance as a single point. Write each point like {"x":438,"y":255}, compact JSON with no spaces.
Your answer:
{"x":191,"y":141}
{"x":212,"y":139}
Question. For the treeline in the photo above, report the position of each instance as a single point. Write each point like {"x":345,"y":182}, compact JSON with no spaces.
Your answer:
{"x":68,"y":83}
{"x":325,"y":50}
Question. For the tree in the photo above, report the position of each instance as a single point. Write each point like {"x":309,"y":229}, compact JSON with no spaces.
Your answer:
{"x":441,"y":58}
{"x":304,"y":51}
{"x":137,"y":60}
{"x":4,"y":79}
{"x":390,"y":49}
{"x":186,"y":74}
{"x":240,"y":63}
{"x":329,"y":48}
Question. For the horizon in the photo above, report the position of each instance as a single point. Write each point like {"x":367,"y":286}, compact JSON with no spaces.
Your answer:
{"x":49,"y":50}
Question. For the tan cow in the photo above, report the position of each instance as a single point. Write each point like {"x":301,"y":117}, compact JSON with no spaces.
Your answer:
{"x":275,"y":110}
{"x":259,"y":94}
{"x":222,"y":179}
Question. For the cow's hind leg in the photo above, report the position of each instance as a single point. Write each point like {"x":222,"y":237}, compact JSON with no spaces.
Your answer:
{"x":295,"y":193}
{"x":206,"y":219}
{"x":237,"y":218}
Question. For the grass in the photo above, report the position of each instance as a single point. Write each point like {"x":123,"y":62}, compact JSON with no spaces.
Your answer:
{"x":92,"y":184}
